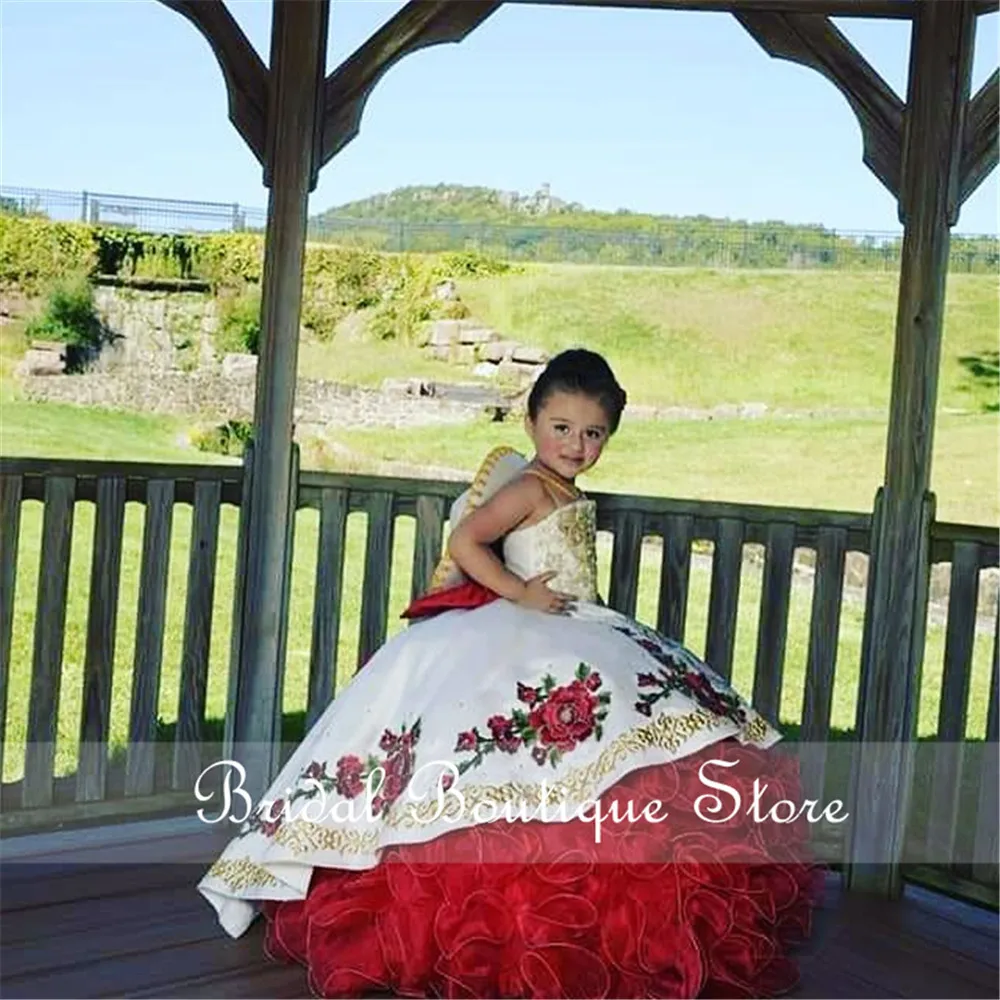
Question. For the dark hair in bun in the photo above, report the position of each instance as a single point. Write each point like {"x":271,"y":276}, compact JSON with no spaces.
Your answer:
{"x":582,"y":372}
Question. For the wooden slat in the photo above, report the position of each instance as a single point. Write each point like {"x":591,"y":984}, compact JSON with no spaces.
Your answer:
{"x":197,"y":633}
{"x":327,"y":602}
{"x":772,"y":626}
{"x":293,"y":506}
{"x":727,"y":565}
{"x":942,"y":49}
{"x":378,"y":567}
{"x":113,"y":810}
{"x":239,"y":593}
{"x":986,"y":843}
{"x":808,"y":520}
{"x":50,"y":625}
{"x":824,"y":635}
{"x":99,"y":662}
{"x":10,"y":536}
{"x":625,"y":559}
{"x":942,"y":824}
{"x":406,"y":491}
{"x":83,"y":468}
{"x":675,"y":569}
{"x":149,"y":633}
{"x":427,"y":547}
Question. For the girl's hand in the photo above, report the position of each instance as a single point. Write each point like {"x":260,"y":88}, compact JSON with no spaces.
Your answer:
{"x":538,"y":596}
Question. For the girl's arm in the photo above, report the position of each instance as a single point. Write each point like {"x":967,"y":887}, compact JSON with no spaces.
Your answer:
{"x":469,"y":545}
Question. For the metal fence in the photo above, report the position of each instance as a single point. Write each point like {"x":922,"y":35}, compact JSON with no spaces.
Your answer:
{"x":672,"y":243}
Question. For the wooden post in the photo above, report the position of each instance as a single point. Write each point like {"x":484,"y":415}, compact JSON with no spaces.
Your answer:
{"x":298,"y":52}
{"x":939,"y":78}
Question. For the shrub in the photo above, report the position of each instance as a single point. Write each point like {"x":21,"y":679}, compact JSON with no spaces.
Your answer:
{"x":35,"y":251}
{"x":470,"y":264}
{"x":69,"y":317}
{"x":239,"y":324}
{"x":230,"y":438}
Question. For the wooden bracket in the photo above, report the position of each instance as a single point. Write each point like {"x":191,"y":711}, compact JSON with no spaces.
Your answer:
{"x":979,"y":140}
{"x":245,"y":74}
{"x":419,"y":24}
{"x":812,"y":40}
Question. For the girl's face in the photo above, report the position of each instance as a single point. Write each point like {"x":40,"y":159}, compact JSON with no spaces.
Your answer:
{"x":569,"y":433}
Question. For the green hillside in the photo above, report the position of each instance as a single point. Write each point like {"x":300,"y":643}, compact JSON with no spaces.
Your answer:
{"x":701,"y":337}
{"x":542,"y":226}
{"x":459,"y":204}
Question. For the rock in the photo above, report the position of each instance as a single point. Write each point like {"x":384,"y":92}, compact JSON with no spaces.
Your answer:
{"x":56,"y":347}
{"x":43,"y":362}
{"x":239,"y":365}
{"x":485,"y":370}
{"x":496,"y":351}
{"x":402,"y":386}
{"x":725,"y":410}
{"x":478,"y":335}
{"x":523,"y":374}
{"x":440,"y":352}
{"x":446,"y":291}
{"x":443,"y":332}
{"x":530,"y":355}
{"x":462,"y":354}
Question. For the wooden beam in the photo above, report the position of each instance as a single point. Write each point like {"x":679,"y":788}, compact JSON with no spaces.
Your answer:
{"x":419,"y":24}
{"x":298,"y":49}
{"x":979,"y":146}
{"x":939,"y":77}
{"x":244,"y":73}
{"x":825,"y":8}
{"x":813,"y":40}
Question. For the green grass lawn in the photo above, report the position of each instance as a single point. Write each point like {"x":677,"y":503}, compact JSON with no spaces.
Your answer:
{"x":367,"y":363}
{"x":61,"y":430}
{"x":702,"y":337}
{"x":830,"y":464}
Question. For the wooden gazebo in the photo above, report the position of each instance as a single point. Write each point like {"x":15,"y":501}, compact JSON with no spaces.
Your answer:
{"x":931,"y":152}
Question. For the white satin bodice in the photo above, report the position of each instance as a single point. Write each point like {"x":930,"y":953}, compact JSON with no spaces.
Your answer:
{"x":564,"y":542}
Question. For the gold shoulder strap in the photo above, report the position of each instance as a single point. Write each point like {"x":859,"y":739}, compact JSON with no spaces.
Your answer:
{"x":473,"y":499}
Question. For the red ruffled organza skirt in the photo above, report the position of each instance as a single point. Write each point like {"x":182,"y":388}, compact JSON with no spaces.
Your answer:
{"x":679,"y":908}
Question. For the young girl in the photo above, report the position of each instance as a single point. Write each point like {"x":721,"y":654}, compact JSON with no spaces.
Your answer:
{"x":528,"y":794}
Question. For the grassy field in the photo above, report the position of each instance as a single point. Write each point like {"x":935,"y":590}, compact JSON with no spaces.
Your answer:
{"x":833,"y":464}
{"x":699,"y":337}
{"x":803,"y":341}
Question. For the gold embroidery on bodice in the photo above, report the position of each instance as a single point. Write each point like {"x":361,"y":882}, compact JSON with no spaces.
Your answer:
{"x":564,"y":542}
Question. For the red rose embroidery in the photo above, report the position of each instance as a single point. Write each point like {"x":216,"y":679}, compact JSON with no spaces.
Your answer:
{"x":678,"y":675}
{"x":352,"y":774}
{"x":526,"y":694}
{"x":560,"y":719}
{"x":270,"y":826}
{"x":348,"y":781}
{"x":468,"y":740}
{"x":567,"y":716}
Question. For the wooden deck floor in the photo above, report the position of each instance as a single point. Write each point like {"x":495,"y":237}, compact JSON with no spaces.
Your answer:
{"x":86,"y":914}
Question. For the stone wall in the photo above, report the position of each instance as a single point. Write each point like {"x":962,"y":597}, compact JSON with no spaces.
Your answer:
{"x":207,"y":394}
{"x":161,"y":359}
{"x":159,"y":330}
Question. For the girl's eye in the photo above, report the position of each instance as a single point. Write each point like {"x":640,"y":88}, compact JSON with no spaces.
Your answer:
{"x":561,"y":428}
{"x":594,"y":435}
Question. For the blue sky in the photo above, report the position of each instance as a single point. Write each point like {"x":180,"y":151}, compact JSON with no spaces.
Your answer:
{"x":659,"y":111}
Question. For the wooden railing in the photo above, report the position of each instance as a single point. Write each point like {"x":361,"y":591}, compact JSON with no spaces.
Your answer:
{"x":683,"y":566}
